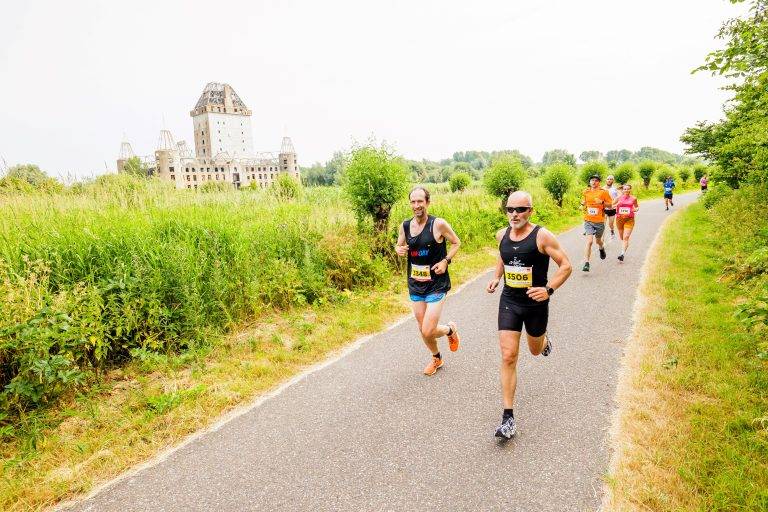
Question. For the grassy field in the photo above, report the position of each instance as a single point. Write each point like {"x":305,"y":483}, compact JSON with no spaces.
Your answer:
{"x":170,"y":308}
{"x":693,"y":429}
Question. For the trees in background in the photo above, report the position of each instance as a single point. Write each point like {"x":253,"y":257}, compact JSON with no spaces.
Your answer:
{"x":505,"y":175}
{"x":590,"y":168}
{"x":558,"y":155}
{"x":459,"y":181}
{"x":624,"y":172}
{"x":646,"y":169}
{"x":586,"y":156}
{"x":738,"y":144}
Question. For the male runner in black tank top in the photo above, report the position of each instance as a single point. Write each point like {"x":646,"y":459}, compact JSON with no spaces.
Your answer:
{"x":524,"y":253}
{"x":422,"y":239}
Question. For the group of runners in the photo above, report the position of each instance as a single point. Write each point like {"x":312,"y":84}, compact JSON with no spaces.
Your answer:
{"x":522,"y":271}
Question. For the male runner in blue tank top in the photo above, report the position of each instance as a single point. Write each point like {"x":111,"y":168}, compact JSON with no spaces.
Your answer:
{"x":422,"y":239}
{"x":524,"y":253}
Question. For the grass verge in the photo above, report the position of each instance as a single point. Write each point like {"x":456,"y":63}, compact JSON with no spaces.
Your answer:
{"x":692,"y":431}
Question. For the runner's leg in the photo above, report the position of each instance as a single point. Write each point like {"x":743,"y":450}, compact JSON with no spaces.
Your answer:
{"x":588,"y":251}
{"x":625,"y":238}
{"x":430,"y":328}
{"x":509,"y":343}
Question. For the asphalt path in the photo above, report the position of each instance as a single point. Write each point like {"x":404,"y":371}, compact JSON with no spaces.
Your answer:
{"x":370,"y":432}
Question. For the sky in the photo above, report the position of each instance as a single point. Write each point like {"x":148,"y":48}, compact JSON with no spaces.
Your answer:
{"x":429,"y":77}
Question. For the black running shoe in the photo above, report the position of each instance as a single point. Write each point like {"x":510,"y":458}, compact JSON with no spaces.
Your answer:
{"x":585,"y":268}
{"x":602,"y":253}
{"x":621,"y":257}
{"x":671,"y":203}
{"x":547,"y":348}
{"x":507,"y":429}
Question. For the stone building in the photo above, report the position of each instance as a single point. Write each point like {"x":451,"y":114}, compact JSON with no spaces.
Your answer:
{"x":223,"y":147}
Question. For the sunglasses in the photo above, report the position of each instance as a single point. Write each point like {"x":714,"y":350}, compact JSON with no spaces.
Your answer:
{"x":518,"y":209}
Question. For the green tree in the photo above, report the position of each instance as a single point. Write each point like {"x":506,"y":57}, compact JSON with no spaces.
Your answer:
{"x":459,"y":181}
{"x":646,"y":170}
{"x":624,"y":172}
{"x":587,"y":156}
{"x":374,"y":179}
{"x":558,"y":155}
{"x":134,"y":167}
{"x":593,"y":167}
{"x":27,"y":172}
{"x":684,"y":173}
{"x":618,"y":155}
{"x":699,"y":170}
{"x":557,"y":179}
{"x":505,"y":175}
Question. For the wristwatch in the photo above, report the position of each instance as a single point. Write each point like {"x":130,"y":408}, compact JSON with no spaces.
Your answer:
{"x":550,"y":290}
{"x":447,"y":260}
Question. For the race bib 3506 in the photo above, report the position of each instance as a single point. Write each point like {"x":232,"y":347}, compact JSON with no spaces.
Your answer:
{"x":518,"y":277}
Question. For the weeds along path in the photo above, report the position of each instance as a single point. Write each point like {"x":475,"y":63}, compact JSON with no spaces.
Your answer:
{"x":370,"y":432}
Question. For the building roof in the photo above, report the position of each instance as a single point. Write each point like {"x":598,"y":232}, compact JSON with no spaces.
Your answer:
{"x":218,"y":97}
{"x":287,"y":146}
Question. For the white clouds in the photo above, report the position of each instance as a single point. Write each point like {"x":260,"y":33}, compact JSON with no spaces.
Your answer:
{"x":433,"y":77}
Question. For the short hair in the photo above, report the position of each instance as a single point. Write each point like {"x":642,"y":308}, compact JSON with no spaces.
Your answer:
{"x":414,"y":189}
{"x":527,"y":195}
{"x":627,"y":185}
{"x":610,"y":177}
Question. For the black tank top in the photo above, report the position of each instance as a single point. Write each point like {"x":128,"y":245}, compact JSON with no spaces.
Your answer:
{"x":524,"y":266}
{"x":423,"y":252}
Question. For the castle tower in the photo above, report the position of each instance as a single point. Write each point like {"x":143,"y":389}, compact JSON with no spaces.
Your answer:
{"x":167,"y":160}
{"x":222,"y":123}
{"x":126,"y":152}
{"x":287,"y":159}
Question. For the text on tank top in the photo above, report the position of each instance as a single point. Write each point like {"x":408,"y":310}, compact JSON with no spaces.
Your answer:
{"x":424,"y":251}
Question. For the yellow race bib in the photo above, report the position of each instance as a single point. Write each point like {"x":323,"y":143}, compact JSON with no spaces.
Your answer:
{"x":420,"y":272}
{"x":518,"y":277}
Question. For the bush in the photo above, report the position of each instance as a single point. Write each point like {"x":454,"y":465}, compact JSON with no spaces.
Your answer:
{"x":715,"y":194}
{"x":286,"y":187}
{"x":646,"y":169}
{"x":699,"y":170}
{"x":459,"y":181}
{"x":215,"y":186}
{"x":685,"y":174}
{"x":624,"y":173}
{"x":505,"y":175}
{"x":557,"y":180}
{"x":593,"y":167}
{"x":664,"y":170}
{"x":374,"y":179}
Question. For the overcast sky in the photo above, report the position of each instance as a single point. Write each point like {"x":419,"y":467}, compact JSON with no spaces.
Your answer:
{"x":430,"y":77}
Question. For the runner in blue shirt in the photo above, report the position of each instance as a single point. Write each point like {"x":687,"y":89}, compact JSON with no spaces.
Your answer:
{"x":669,"y":185}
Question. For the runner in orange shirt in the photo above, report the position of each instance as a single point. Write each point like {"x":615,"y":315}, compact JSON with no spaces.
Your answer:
{"x":595,"y":200}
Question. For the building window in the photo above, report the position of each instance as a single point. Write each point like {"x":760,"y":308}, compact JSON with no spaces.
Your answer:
{"x":193,"y":169}
{"x":170,"y":169}
{"x":209,"y":177}
{"x":203,"y":150}
{"x":173,"y":177}
{"x":217,"y":177}
{"x":194,"y":178}
{"x":259,"y":176}
{"x":188,"y":177}
{"x":189,"y":186}
{"x":285,"y":160}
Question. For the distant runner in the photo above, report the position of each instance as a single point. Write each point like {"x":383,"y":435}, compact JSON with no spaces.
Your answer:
{"x":627,"y":206}
{"x":669,"y":185}
{"x":614,"y":192}
{"x":704,"y":182}
{"x":524,"y":253}
{"x":594,"y":201}
{"x":422,"y":238}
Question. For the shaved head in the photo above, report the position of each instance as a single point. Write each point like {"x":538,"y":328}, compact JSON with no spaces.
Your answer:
{"x":520,"y":196}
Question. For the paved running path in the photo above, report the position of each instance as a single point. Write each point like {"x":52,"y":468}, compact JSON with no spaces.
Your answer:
{"x":371,"y":433}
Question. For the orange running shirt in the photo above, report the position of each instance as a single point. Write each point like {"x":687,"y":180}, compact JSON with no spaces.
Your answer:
{"x":594,"y":204}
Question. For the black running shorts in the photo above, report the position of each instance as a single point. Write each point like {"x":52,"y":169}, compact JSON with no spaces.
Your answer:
{"x":610,"y":212}
{"x":512,"y":317}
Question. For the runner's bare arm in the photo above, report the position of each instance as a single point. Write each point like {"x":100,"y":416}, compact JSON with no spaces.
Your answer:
{"x":549,"y":245}
{"x":637,"y":205}
{"x":446,"y":231}
{"x":499,"y":271}
{"x":401,"y":248}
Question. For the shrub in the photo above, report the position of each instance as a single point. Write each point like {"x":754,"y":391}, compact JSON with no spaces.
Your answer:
{"x":214,"y":186}
{"x":557,"y":180}
{"x":624,"y":173}
{"x":374,"y":179}
{"x":646,"y":168}
{"x":459,"y":181}
{"x":506,"y":175}
{"x":286,"y":187}
{"x":715,"y":194}
{"x":684,"y":173}
{"x":593,"y":167}
{"x":699,"y":170}
{"x":664,"y":170}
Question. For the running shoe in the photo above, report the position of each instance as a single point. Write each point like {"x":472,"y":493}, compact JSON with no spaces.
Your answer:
{"x":453,"y":339}
{"x":621,"y":257}
{"x":547,"y":348}
{"x":602,"y":253}
{"x":613,"y":235}
{"x":507,"y":429}
{"x":431,"y":368}
{"x":585,"y":268}
{"x":667,"y":208}
{"x":671,"y":203}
